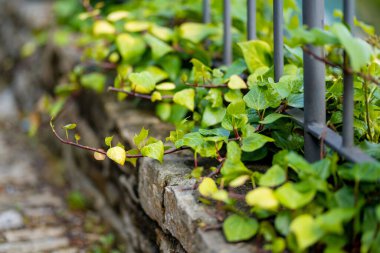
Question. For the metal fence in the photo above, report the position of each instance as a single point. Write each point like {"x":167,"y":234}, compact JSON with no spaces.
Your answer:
{"x":313,"y":117}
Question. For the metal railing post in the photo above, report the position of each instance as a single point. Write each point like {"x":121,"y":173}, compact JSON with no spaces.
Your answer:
{"x":251,"y":19}
{"x":348,"y":79}
{"x":227,"y":53}
{"x":206,"y":11}
{"x":278,"y":20}
{"x":314,"y":80}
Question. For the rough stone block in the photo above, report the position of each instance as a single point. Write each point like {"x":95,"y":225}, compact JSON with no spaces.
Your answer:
{"x":153,"y":178}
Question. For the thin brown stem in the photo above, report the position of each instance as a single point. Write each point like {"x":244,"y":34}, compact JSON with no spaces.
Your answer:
{"x":237,"y":196}
{"x":208,"y":86}
{"x":217,"y":171}
{"x":366,"y":102}
{"x":237,"y":136}
{"x":68,"y":142}
{"x":347,"y":70}
{"x":137,"y":95}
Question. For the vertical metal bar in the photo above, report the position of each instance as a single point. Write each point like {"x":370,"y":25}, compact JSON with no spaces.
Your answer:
{"x":251,"y":19}
{"x":278,"y":20}
{"x":206,"y":12}
{"x":227,"y":32}
{"x":348,"y":79}
{"x":314,"y":79}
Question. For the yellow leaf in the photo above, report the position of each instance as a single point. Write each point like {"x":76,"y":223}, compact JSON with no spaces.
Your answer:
{"x":263,"y":198}
{"x":236,"y":83}
{"x":137,"y":26}
{"x":117,"y":154}
{"x":185,"y":98}
{"x":220,"y":195}
{"x":99,"y":156}
{"x":208,"y":187}
{"x":156,"y":96}
{"x":239,"y":181}
{"x":166,"y":86}
{"x":103,"y":27}
{"x":117,"y":15}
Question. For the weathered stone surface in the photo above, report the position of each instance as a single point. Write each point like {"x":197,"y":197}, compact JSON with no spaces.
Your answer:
{"x":66,"y":250}
{"x":8,"y":106}
{"x":167,"y":197}
{"x":42,"y":245}
{"x":167,"y":244}
{"x":10,"y":219}
{"x":153,"y":178}
{"x":33,"y":234}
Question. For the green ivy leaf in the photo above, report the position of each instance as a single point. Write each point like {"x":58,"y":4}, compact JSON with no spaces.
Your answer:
{"x":163,"y":111}
{"x":213,"y":116}
{"x":108,"y":141}
{"x":275,"y":176}
{"x":185,"y":98}
{"x":290,"y":197}
{"x":282,"y":222}
{"x":195,"y":32}
{"x":363,"y":172}
{"x":142,"y":82}
{"x":296,"y":100}
{"x":139,"y":139}
{"x":198,"y":143}
{"x":215,"y":98}
{"x":333,"y":220}
{"x":238,"y":228}
{"x":273,"y":117}
{"x":154,"y":150}
{"x":257,"y":54}
{"x":358,"y":50}
{"x":233,"y":96}
{"x":94,"y":81}
{"x":131,"y":47}
{"x":256,"y":99}
{"x":159,"y":48}
{"x":254,"y":142}
{"x":157,"y":73}
{"x":117,"y":154}
{"x":233,"y":167}
{"x":306,"y":230}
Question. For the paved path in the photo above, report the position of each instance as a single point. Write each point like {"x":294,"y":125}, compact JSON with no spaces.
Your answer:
{"x":33,"y":211}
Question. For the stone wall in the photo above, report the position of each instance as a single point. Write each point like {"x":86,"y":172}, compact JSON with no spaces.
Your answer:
{"x":153,"y":206}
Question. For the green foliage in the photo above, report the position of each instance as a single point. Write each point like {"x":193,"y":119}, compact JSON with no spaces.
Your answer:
{"x":234,"y":114}
{"x":239,"y":228}
{"x":76,"y":201}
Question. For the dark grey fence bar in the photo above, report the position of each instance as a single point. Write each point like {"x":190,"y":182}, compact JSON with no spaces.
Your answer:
{"x":251,"y":19}
{"x":314,"y":80}
{"x":206,"y":11}
{"x":348,"y":79}
{"x":332,"y":139}
{"x":278,"y":21}
{"x":227,"y":26}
